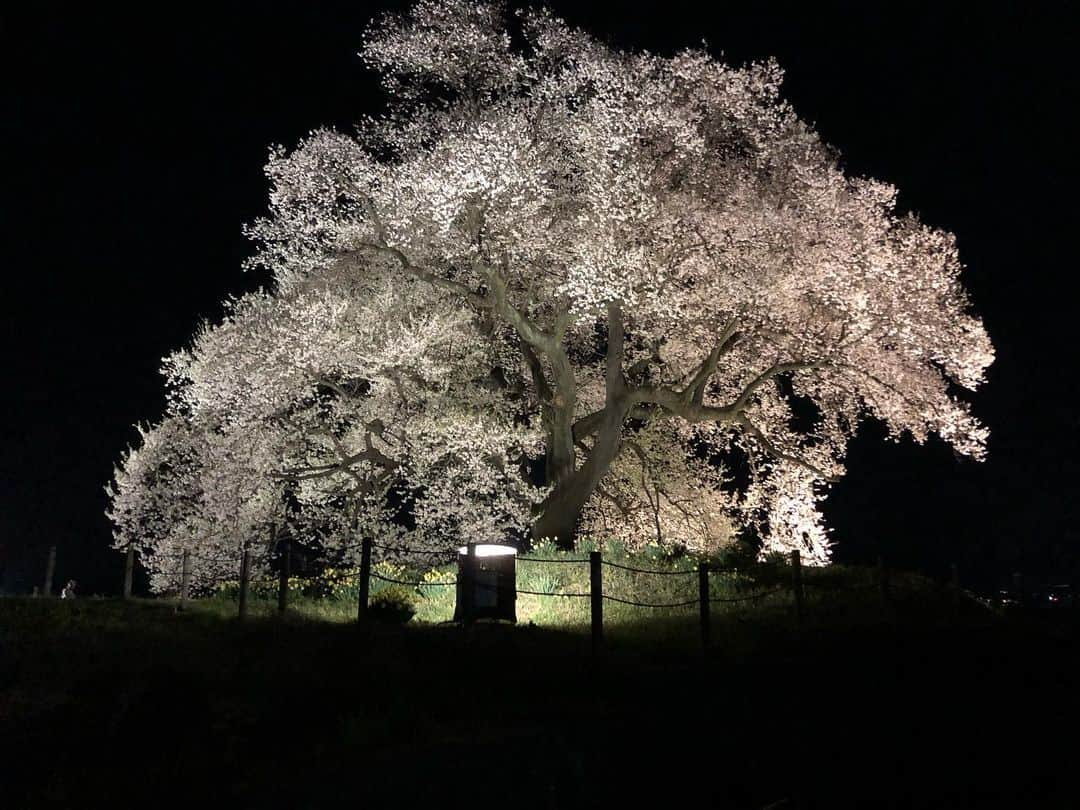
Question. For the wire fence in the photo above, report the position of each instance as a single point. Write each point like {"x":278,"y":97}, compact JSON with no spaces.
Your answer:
{"x":556,"y":593}
{"x":635,"y":603}
{"x":548,"y":560}
{"x":785,"y":582}
{"x":405,"y":550}
{"x":610,"y":564}
{"x":750,"y":598}
{"x":418,"y":584}
{"x":750,"y":572}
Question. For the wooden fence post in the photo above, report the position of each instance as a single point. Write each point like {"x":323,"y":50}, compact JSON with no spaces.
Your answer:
{"x":797,"y":586}
{"x":596,"y":599}
{"x":703,"y":599}
{"x":50,"y":569}
{"x":185,"y":579}
{"x":468,"y":585}
{"x":365,"y":579}
{"x":284,"y":572}
{"x":129,"y":570}
{"x":245,"y":577}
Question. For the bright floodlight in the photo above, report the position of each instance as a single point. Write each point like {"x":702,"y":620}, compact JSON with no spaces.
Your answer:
{"x":489,"y":550}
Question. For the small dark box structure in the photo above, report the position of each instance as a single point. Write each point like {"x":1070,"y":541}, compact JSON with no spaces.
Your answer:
{"x":487,"y":583}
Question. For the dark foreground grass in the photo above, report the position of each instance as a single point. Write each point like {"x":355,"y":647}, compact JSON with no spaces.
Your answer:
{"x":136,"y":705}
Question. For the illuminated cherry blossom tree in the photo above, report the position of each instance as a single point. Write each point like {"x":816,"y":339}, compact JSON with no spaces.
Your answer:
{"x":313,"y":398}
{"x":623,"y":274}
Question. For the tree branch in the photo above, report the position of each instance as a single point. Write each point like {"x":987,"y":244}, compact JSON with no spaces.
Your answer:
{"x":696,"y":387}
{"x":774,"y":370}
{"x":589,"y":424}
{"x":536,"y":370}
{"x":343,"y":465}
{"x":614,"y":380}
{"x":416,"y":271}
{"x":775,"y":451}
{"x":624,"y":510}
{"x":682,"y":404}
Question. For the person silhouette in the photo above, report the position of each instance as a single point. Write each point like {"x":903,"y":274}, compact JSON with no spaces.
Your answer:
{"x":69,"y":590}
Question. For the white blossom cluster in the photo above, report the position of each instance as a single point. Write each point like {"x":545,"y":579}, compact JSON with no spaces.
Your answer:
{"x":653,"y":496}
{"x":313,"y":413}
{"x":630,"y":265}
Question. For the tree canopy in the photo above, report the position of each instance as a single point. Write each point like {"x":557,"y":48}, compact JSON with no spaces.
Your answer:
{"x":556,"y":288}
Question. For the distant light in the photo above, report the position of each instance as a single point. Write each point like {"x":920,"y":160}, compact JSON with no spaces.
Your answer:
{"x":490,"y":550}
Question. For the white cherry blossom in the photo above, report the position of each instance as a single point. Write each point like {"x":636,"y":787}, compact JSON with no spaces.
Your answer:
{"x":635,"y":268}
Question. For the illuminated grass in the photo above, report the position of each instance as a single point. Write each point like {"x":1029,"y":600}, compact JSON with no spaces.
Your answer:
{"x":834,"y":594}
{"x":190,"y":699}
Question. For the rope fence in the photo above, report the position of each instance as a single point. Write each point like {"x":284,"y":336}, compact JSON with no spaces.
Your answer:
{"x":633,"y":603}
{"x":420,"y":584}
{"x":438,"y":552}
{"x":550,"y":593}
{"x":541,"y":560}
{"x":750,"y":598}
{"x":768,"y":579}
{"x":646,"y":570}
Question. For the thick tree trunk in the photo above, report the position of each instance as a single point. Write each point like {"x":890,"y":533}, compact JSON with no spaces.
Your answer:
{"x":562,"y":508}
{"x":561,"y":511}
{"x":559,"y":520}
{"x":560,"y":453}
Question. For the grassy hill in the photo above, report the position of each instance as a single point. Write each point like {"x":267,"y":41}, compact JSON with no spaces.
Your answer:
{"x":137,"y":704}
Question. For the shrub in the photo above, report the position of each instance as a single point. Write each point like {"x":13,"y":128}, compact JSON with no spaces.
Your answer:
{"x":393,"y":604}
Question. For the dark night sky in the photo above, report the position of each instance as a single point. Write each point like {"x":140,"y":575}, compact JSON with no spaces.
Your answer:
{"x":135,"y":152}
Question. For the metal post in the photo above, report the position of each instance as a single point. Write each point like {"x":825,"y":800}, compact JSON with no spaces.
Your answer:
{"x":50,"y":569}
{"x":365,"y":579}
{"x":797,"y":586}
{"x":284,"y":572}
{"x":245,"y":576}
{"x":703,"y":599}
{"x":468,"y":585}
{"x":129,"y":570}
{"x":185,"y":579}
{"x":596,"y":599}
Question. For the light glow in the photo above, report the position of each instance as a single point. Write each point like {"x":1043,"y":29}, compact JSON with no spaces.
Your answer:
{"x":490,"y":550}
